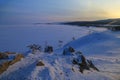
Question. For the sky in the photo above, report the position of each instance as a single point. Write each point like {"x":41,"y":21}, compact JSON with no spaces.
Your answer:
{"x":33,"y":11}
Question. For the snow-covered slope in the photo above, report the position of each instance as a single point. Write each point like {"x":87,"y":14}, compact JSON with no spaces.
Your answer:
{"x":57,"y":67}
{"x":100,"y":43}
{"x":101,"y":47}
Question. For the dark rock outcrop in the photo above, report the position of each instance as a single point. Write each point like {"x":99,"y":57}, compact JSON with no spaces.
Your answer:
{"x":71,"y":49}
{"x":34,"y":48}
{"x":40,"y":63}
{"x":91,"y":65}
{"x":3,"y":56}
{"x":17,"y":58}
{"x":68,"y":51}
{"x":83,"y":63}
{"x":9,"y":53}
{"x":4,"y":66}
{"x":48,"y":49}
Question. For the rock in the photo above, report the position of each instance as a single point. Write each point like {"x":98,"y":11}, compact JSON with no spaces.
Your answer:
{"x":91,"y":65}
{"x":8,"y":53}
{"x":4,"y":66}
{"x":84,"y":64}
{"x":3,"y":56}
{"x":83,"y":67}
{"x":40,"y":63}
{"x":75,"y":61}
{"x":71,"y":49}
{"x":73,"y":70}
{"x":17,"y":58}
{"x":34,"y":48}
{"x":64,"y":52}
{"x":48,"y":49}
{"x":68,"y":51}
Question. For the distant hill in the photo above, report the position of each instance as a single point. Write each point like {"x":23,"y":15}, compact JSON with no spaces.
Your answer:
{"x":97,"y":23}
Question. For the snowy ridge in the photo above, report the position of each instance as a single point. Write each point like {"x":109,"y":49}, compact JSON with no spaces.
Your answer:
{"x":97,"y":43}
{"x":94,"y":37}
{"x":99,"y":47}
{"x":57,"y":67}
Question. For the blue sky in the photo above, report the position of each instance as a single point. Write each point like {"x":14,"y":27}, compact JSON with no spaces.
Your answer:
{"x":30,"y":11}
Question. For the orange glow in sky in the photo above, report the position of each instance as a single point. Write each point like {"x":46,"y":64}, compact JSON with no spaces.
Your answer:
{"x":29,"y":11}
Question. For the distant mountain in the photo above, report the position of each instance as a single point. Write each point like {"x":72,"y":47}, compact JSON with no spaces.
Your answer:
{"x":97,"y":23}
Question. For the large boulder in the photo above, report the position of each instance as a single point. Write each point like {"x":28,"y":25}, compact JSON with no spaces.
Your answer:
{"x":84,"y":64}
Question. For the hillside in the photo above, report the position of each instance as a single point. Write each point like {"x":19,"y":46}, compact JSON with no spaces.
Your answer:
{"x":98,"y":23}
{"x":100,"y":47}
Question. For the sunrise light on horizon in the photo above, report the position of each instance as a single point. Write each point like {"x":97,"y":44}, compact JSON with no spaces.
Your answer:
{"x":28,"y":11}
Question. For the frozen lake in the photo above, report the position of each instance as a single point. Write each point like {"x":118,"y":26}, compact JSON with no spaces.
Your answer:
{"x":17,"y":37}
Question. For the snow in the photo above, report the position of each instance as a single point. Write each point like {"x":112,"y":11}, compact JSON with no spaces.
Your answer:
{"x":97,"y":44}
{"x":17,"y":37}
{"x":58,"y":67}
